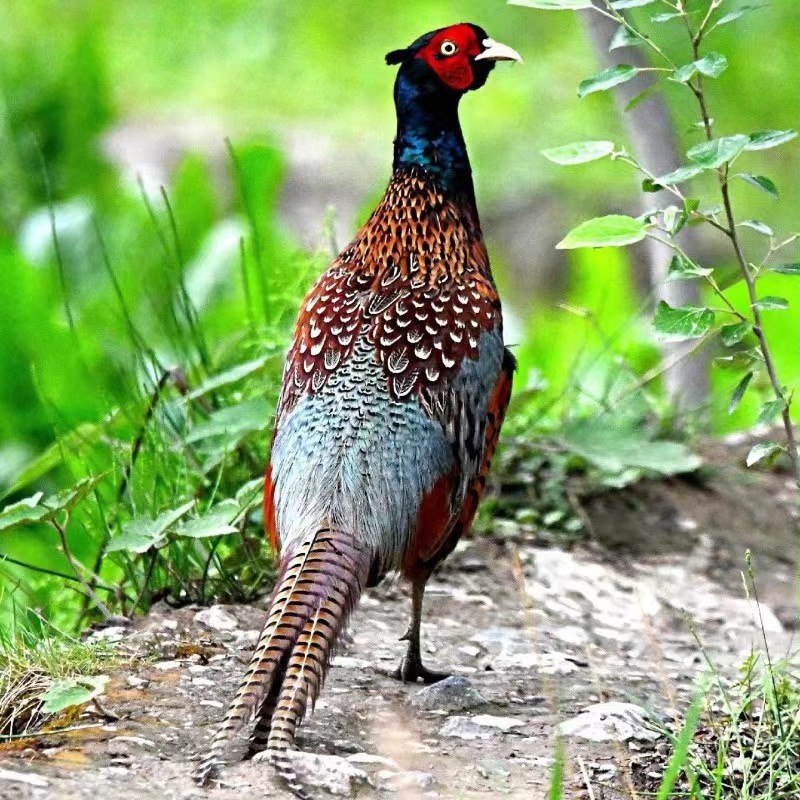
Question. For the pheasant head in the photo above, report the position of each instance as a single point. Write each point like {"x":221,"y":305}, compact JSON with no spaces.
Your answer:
{"x":435,"y":73}
{"x":456,"y":59}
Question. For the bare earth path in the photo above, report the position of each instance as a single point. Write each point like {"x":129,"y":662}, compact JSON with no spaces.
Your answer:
{"x":539,"y":635}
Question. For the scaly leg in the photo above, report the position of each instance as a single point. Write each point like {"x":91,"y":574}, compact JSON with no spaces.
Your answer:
{"x":411,"y":668}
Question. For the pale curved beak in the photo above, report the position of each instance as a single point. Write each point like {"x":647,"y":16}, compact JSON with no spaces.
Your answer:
{"x":498,"y":52}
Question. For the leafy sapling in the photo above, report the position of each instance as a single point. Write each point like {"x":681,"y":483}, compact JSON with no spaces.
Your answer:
{"x":732,"y":327}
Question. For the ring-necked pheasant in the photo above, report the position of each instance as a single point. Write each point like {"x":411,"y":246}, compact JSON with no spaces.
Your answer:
{"x":394,"y":391}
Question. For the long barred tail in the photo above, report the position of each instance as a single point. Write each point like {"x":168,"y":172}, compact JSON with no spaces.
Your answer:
{"x":318,"y":586}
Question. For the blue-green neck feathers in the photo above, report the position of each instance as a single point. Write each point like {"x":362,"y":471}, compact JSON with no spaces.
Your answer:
{"x":428,"y":132}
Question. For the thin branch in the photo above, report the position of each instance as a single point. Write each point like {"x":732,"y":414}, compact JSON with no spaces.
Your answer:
{"x":47,"y":571}
{"x":612,"y":13}
{"x":733,"y":235}
{"x":76,"y":568}
{"x":708,"y":278}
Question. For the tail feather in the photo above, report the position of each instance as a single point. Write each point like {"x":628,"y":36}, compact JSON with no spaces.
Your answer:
{"x":317,"y":589}
{"x":308,"y":665}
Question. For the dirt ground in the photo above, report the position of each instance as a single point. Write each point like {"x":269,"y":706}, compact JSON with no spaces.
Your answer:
{"x":539,"y":636}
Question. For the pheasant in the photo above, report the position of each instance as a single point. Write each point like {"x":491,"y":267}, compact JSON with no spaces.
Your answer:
{"x":394,"y":391}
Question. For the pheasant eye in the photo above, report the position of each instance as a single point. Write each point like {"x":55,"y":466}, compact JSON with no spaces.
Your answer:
{"x":448,"y":48}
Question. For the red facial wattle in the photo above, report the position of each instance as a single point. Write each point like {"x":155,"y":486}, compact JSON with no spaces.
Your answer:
{"x":449,"y":54}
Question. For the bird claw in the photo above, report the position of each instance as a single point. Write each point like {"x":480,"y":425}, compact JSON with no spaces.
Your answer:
{"x":411,"y":670}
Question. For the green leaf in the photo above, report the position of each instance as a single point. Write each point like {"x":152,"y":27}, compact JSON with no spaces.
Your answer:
{"x":764,"y":140}
{"x":69,"y":498}
{"x":738,"y":392}
{"x":729,"y":17}
{"x":552,"y":5}
{"x":578,"y":152}
{"x":250,"y":494}
{"x":615,"y":230}
{"x":666,"y":17}
{"x":786,"y":269}
{"x":623,"y":38}
{"x":758,"y":227}
{"x":681,"y":268}
{"x":680,"y":175}
{"x":712,"y":66}
{"x":228,"y":377}
{"x":690,"y":205}
{"x":618,"y":4}
{"x":84,"y":435}
{"x":233,"y":421}
{"x":671,"y":215}
{"x":762,"y":451}
{"x":556,"y":789}
{"x":680,"y":324}
{"x":614,"y":447}
{"x":760,"y":182}
{"x":642,"y":96}
{"x":713,"y":154}
{"x":218,"y":521}
{"x":141,"y":533}
{"x":23,"y":512}
{"x":770,"y":411}
{"x":734,"y":333}
{"x":771,"y":303}
{"x":681,"y":747}
{"x":607,"y":79}
{"x":42,"y":509}
{"x":685,"y":73}
{"x":68,"y":692}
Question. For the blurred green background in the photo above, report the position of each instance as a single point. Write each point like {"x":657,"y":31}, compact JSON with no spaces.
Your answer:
{"x":199,"y":163}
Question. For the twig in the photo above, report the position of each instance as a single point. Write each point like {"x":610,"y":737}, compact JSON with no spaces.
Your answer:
{"x":612,"y":13}
{"x":10,"y":737}
{"x":177,"y":376}
{"x":54,"y":572}
{"x":101,"y":606}
{"x":585,"y":776}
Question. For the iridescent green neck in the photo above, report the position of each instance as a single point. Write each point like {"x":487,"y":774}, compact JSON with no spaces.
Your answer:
{"x":429,"y":133}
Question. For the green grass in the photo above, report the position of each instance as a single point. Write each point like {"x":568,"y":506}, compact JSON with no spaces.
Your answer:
{"x":35,"y":660}
{"x":739,"y":740}
{"x":180,"y":356}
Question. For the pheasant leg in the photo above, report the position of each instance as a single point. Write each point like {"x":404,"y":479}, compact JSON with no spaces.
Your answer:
{"x":411,"y":668}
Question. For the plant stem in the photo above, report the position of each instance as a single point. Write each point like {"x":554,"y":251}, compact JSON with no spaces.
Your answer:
{"x":749,"y":279}
{"x":101,"y":606}
{"x":708,"y":278}
{"x":611,"y":12}
{"x":54,"y":572}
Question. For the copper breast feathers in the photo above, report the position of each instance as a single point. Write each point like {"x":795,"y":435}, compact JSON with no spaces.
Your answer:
{"x":415,"y":282}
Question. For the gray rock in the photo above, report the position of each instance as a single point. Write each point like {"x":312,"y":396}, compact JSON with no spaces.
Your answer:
{"x":452,"y":694}
{"x":482,"y":726}
{"x":371,"y":759}
{"x":544,"y":663}
{"x":403,"y":781}
{"x":572,"y":634}
{"x":114,"y":633}
{"x":246,"y":640}
{"x":332,"y":773}
{"x":27,"y":778}
{"x":610,"y":722}
{"x":216,"y":619}
{"x":351,"y":663}
{"x":135,"y":740}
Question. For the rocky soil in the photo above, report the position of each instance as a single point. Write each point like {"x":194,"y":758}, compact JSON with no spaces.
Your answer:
{"x":593,"y":644}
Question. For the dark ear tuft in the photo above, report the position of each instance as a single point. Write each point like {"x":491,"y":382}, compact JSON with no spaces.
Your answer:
{"x":397,"y":56}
